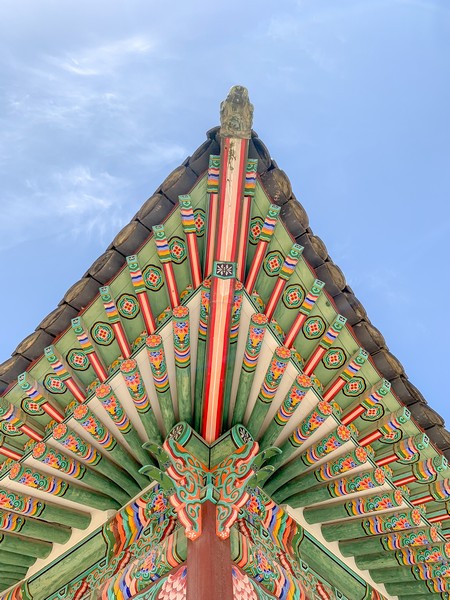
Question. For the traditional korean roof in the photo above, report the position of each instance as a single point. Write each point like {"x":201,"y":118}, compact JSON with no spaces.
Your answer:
{"x":121,"y":361}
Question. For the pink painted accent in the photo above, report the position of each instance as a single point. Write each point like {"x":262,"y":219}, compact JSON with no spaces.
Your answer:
{"x":10,"y":453}
{"x":314,"y":360}
{"x":74,"y":390}
{"x":387,"y":460}
{"x":194,"y":259}
{"x":333,"y":390}
{"x":171,"y":282}
{"x":243,"y":238}
{"x":147,"y":314}
{"x":353,"y":415}
{"x":210,"y":239}
{"x":405,"y":480}
{"x":371,"y":437}
{"x":34,"y":435}
{"x":219,"y":324}
{"x":294,"y":330}
{"x":438,"y":519}
{"x":97,"y":365}
{"x":423,"y":500}
{"x":255,"y":267}
{"x":121,"y":338}
{"x":274,"y":298}
{"x":53,"y":412}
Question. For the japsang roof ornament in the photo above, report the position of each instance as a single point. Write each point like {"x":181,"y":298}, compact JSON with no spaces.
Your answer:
{"x":209,"y":413}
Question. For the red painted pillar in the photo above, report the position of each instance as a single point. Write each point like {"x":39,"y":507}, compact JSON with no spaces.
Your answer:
{"x":209,"y":562}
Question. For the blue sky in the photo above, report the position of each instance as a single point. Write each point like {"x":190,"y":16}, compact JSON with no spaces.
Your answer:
{"x":100,"y":100}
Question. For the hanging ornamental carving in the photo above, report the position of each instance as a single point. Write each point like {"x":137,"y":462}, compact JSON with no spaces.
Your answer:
{"x":190,"y":473}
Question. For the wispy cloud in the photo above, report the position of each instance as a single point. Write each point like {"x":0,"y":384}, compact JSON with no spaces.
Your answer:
{"x":106,"y":58}
{"x":68,"y":205}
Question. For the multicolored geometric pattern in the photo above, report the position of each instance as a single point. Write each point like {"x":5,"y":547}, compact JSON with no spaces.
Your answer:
{"x":153,"y":278}
{"x":293,"y":296}
{"x":128,"y":306}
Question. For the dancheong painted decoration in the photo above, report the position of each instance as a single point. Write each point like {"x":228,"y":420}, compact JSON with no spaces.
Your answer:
{"x":209,"y":413}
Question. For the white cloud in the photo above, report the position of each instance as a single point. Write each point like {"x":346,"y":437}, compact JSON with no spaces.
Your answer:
{"x":105,"y":58}
{"x":68,"y":205}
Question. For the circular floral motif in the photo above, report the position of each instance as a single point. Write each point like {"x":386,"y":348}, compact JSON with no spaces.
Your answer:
{"x":15,"y":470}
{"x":102,"y":333}
{"x":32,"y":408}
{"x":293,"y":296}
{"x":39,"y":450}
{"x":272,"y":263}
{"x":128,"y":306}
{"x":77,"y":359}
{"x":59,"y":431}
{"x":153,"y":278}
{"x":334,"y":358}
{"x":314,"y":327}
{"x":374,"y":413}
{"x":177,"y":249}
{"x":54,"y":384}
{"x":200,"y":221}
{"x":103,"y":390}
{"x":355,"y":387}
{"x":9,"y":429}
{"x":256,"y":225}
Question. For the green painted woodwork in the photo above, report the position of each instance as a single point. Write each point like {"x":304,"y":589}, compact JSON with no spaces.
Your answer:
{"x":269,"y":387}
{"x":29,"y":506}
{"x":116,"y":452}
{"x":51,"y":579}
{"x":355,"y":507}
{"x":302,"y":384}
{"x":22,"y":545}
{"x":32,"y":528}
{"x":116,"y":412}
{"x":138,"y":393}
{"x":345,"y":463}
{"x":16,"y":560}
{"x":59,"y":487}
{"x":201,"y":352}
{"x":338,"y":488}
{"x":182,"y":348}
{"x":69,"y":466}
{"x":232,"y":348}
{"x":255,"y":336}
{"x":158,"y":365}
{"x":399,"y":539}
{"x":332,"y":568}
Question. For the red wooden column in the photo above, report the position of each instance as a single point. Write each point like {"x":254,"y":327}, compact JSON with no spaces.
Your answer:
{"x":209,"y":562}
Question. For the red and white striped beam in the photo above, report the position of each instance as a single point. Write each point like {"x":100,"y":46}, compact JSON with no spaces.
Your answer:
{"x":249,"y":192}
{"x":114,"y":320}
{"x":88,"y":348}
{"x":303,"y":312}
{"x":263,"y":243}
{"x":190,"y":231}
{"x":290,"y":262}
{"x":165,"y":257}
{"x":138,"y":282}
